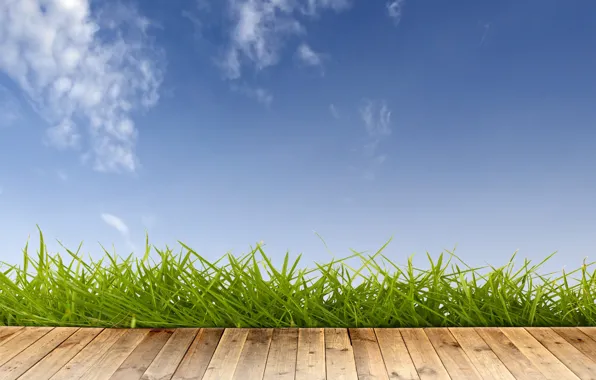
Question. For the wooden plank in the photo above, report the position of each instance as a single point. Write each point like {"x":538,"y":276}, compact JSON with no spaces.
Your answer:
{"x":367,"y":354}
{"x":567,"y":354}
{"x":310,"y":358}
{"x":26,"y":359}
{"x":139,"y":360}
{"x":546,"y":362}
{"x":251,"y":364}
{"x":166,"y":362}
{"x":20,"y":342}
{"x":516,"y":362}
{"x":226,"y":355}
{"x":197,"y":358}
{"x":281,"y":362}
{"x":85,"y":359}
{"x":579,"y":340}
{"x":589,"y":331}
{"x":425,"y":358}
{"x":9,"y":332}
{"x":339,"y":355}
{"x":397,"y":359}
{"x":107,"y":365}
{"x":56,"y":359}
{"x":452,"y":355}
{"x":480,"y":354}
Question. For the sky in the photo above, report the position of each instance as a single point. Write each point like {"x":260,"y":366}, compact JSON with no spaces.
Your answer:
{"x":220,"y":123}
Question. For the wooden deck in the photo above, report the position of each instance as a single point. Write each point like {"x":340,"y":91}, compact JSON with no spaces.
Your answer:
{"x":297,"y":354}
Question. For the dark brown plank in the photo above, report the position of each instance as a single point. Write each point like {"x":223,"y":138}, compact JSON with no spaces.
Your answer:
{"x":281,"y":362}
{"x":425,"y":358}
{"x":397,"y":359}
{"x":226,"y":355}
{"x":166,"y":362}
{"x":310,"y":358}
{"x":197,"y":358}
{"x":51,"y":363}
{"x":367,"y":354}
{"x":27,"y":358}
{"x":339,"y":355}
{"x":139,"y":360}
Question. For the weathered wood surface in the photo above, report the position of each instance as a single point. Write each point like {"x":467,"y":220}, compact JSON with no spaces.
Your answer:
{"x":40,"y":353}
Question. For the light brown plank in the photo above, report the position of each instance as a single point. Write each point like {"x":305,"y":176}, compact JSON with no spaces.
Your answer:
{"x":85,"y":359}
{"x":454,"y":358}
{"x":20,"y":342}
{"x":546,"y":362}
{"x":107,"y":365}
{"x":579,"y":340}
{"x":281,"y":362}
{"x":51,"y":363}
{"x":9,"y":332}
{"x":197,"y":358}
{"x":339,"y":355}
{"x":589,"y":331}
{"x":26,"y":359}
{"x":226,"y":355}
{"x":480,"y":354}
{"x":165,"y":363}
{"x":570,"y":356}
{"x":139,"y":360}
{"x":397,"y":360}
{"x":518,"y":364}
{"x":310,"y":358}
{"x":367,"y":354}
{"x":425,"y":358}
{"x":251,"y":364}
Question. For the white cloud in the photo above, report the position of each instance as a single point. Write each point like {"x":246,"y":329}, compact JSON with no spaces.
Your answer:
{"x":394,"y":9}
{"x":377,"y":117}
{"x":261,"y":26}
{"x":259,"y":94}
{"x":334,"y":111}
{"x":78,"y":68}
{"x":117,"y":223}
{"x":62,"y":175}
{"x":308,"y":56}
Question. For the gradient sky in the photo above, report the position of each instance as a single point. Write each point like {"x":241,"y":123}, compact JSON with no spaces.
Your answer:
{"x":225,"y":122}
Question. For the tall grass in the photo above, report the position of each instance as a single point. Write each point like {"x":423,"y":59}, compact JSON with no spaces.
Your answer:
{"x":186,"y":290}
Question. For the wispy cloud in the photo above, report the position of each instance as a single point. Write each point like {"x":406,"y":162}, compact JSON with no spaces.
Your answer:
{"x":117,"y":223}
{"x":10,"y":110}
{"x":394,"y":10}
{"x":308,"y":56}
{"x":334,"y":111}
{"x":62,"y":175}
{"x":78,"y":68}
{"x":260,"y":28}
{"x":259,"y":94}
{"x":376,"y":116}
{"x":486,"y":28}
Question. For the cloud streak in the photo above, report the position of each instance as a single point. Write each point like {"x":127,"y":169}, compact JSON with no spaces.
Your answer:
{"x":394,"y":10}
{"x":119,"y":225}
{"x":77,"y":68}
{"x":260,"y":28}
{"x":376,"y":116}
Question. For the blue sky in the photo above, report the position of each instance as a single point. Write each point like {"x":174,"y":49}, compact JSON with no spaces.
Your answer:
{"x":225,"y":122}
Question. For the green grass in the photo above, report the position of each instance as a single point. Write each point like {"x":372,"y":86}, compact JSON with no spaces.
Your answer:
{"x":186,"y":290}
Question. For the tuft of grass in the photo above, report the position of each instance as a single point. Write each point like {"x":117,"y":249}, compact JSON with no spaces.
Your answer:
{"x":186,"y":290}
